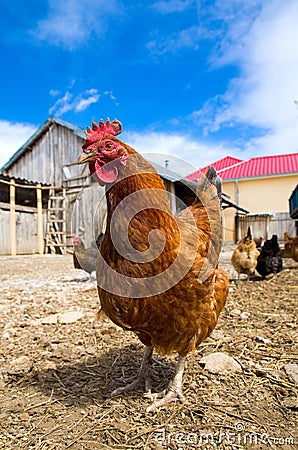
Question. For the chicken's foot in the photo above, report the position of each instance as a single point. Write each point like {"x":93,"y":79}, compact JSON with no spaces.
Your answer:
{"x":143,"y":375}
{"x":174,"y":392}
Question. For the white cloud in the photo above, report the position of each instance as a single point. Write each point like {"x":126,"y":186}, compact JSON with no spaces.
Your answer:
{"x":54,"y":92}
{"x":110,"y":94}
{"x":78,"y":103}
{"x":12,"y":136}
{"x":262,"y":97}
{"x":62,"y":105}
{"x":83,"y":103}
{"x":188,"y":38}
{"x":70,"y":23}
{"x":186,"y":154}
{"x":170,"y":6}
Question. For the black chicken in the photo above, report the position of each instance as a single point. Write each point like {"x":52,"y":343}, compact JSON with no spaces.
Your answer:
{"x":270,"y":259}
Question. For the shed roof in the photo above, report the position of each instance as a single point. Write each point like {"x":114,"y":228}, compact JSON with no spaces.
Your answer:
{"x":227,"y":161}
{"x":39,"y":132}
{"x":254,"y":167}
{"x":20,"y":181}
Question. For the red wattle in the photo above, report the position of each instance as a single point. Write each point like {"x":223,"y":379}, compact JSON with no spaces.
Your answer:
{"x":107,"y":173}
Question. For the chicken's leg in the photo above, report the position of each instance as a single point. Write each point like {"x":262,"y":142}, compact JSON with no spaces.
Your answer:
{"x":175,"y":388}
{"x":143,"y":375}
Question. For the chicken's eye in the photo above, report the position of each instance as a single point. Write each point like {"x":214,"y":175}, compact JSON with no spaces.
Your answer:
{"x":109,"y":146}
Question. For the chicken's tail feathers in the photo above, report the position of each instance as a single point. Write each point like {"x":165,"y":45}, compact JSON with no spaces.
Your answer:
{"x":249,"y":233}
{"x":207,"y":212}
{"x":208,"y":181}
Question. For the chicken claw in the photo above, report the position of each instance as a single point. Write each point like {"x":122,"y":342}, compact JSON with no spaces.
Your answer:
{"x":143,"y":375}
{"x":171,"y":396}
{"x":137,"y":380}
{"x":134,"y":382}
{"x":175,"y":389}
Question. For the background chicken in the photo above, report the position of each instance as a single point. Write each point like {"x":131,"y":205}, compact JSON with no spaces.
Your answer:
{"x":157,"y":274}
{"x":83,"y":258}
{"x":245,"y":256}
{"x":291,"y":246}
{"x":260,"y":242}
{"x":270,"y":259}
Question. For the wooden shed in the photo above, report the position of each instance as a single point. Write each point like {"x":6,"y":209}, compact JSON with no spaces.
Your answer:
{"x":55,"y":144}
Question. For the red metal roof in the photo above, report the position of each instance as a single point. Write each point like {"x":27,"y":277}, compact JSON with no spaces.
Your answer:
{"x":255,"y":167}
{"x":223,"y":163}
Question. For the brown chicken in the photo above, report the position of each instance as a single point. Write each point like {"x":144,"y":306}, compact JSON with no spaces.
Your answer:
{"x":157,"y":273}
{"x":245,"y":256}
{"x":291,"y":246}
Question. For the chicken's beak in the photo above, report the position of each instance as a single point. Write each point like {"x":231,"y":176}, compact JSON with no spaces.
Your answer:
{"x":86,"y":157}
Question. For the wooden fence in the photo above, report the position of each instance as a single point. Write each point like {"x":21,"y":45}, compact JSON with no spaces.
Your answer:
{"x":265,"y":225}
{"x":21,"y":227}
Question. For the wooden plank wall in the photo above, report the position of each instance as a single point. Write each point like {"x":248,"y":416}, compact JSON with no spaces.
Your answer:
{"x":86,"y":211}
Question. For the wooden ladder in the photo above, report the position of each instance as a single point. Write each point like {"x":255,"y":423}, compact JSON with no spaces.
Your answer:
{"x":56,"y":222}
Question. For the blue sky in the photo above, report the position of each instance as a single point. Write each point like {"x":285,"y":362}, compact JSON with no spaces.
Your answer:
{"x":196,"y":80}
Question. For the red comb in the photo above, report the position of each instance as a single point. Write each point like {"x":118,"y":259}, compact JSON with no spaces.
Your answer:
{"x":101,"y":130}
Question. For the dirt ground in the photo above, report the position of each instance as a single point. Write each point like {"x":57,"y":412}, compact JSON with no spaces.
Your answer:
{"x":58,"y":367}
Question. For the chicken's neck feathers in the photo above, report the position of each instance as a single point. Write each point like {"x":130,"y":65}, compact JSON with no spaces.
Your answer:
{"x":137,"y":176}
